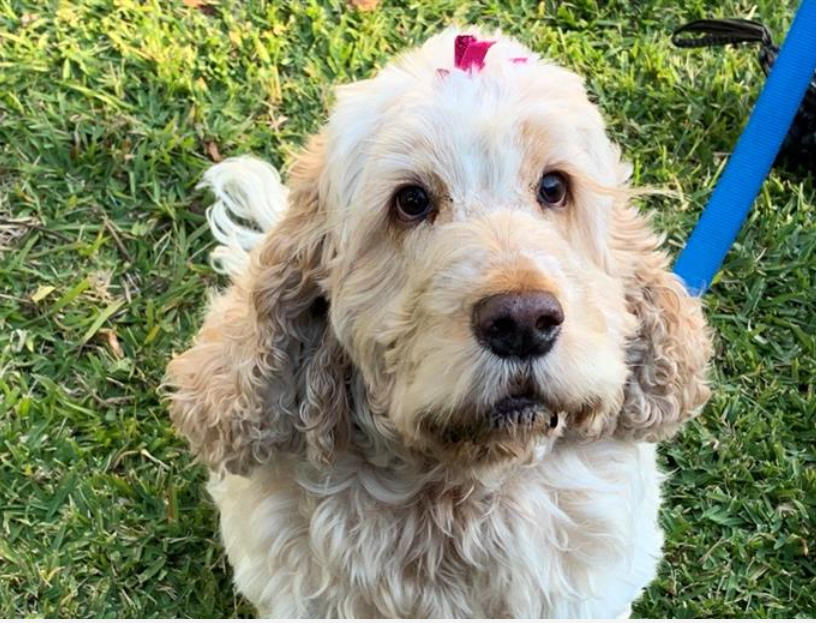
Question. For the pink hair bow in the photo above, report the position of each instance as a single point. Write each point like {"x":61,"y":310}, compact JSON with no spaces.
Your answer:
{"x":469,"y":52}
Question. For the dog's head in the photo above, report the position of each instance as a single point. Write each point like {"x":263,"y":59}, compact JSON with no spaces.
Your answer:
{"x":459,"y":241}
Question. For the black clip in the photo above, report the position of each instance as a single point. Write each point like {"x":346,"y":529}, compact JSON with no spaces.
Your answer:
{"x":799,"y":148}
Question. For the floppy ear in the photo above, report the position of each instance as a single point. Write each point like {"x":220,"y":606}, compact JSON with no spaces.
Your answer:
{"x":266,"y":374}
{"x":669,"y":355}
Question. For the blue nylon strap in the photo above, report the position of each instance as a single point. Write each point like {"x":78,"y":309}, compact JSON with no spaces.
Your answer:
{"x":753,"y":156}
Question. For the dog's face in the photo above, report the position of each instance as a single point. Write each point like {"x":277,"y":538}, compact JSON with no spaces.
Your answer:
{"x":471,"y":283}
{"x":467,"y":222}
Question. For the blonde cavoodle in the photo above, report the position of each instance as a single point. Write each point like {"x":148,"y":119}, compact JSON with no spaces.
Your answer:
{"x":434,"y":386}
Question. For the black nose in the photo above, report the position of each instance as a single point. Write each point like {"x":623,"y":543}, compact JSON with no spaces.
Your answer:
{"x":523,"y":325}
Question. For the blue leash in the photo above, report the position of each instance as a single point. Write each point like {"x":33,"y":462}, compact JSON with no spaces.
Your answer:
{"x":753,"y":155}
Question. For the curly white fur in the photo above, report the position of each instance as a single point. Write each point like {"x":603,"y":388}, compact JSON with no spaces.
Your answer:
{"x":576,"y":536}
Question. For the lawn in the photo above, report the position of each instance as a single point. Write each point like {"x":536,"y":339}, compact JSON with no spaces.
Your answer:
{"x":109,"y":113}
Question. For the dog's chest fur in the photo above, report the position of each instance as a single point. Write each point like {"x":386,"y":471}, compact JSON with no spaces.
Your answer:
{"x":574,"y":536}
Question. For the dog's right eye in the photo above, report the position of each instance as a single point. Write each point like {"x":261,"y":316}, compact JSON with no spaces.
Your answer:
{"x":553,"y":189}
{"x":412,"y":203}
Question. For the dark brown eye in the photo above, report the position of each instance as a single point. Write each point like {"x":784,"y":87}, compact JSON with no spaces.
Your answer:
{"x":553,"y":189}
{"x":413,"y":203}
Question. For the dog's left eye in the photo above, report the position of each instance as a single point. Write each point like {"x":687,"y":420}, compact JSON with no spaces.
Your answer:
{"x":553,"y":189}
{"x":412,"y":203}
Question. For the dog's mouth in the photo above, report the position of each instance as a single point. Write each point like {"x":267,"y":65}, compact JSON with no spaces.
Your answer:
{"x":520,"y":415}
{"x":522,"y":409}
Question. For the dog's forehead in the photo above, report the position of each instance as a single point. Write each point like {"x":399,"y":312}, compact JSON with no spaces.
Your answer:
{"x":468,"y":122}
{"x":480,"y":134}
{"x":498,"y":82}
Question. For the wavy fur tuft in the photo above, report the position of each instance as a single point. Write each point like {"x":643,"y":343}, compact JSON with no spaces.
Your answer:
{"x":249,"y":201}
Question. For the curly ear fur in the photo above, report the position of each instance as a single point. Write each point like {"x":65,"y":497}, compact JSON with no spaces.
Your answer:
{"x":669,"y":355}
{"x":266,"y":373}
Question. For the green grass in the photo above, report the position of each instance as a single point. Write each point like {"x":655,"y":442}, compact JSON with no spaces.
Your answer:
{"x":109,"y":113}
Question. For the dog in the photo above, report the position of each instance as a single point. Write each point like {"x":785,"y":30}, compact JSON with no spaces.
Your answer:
{"x":449,"y":346}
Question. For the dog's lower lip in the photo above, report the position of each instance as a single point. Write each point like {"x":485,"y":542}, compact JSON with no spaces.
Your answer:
{"x":510,"y":404}
{"x":519,"y":409}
